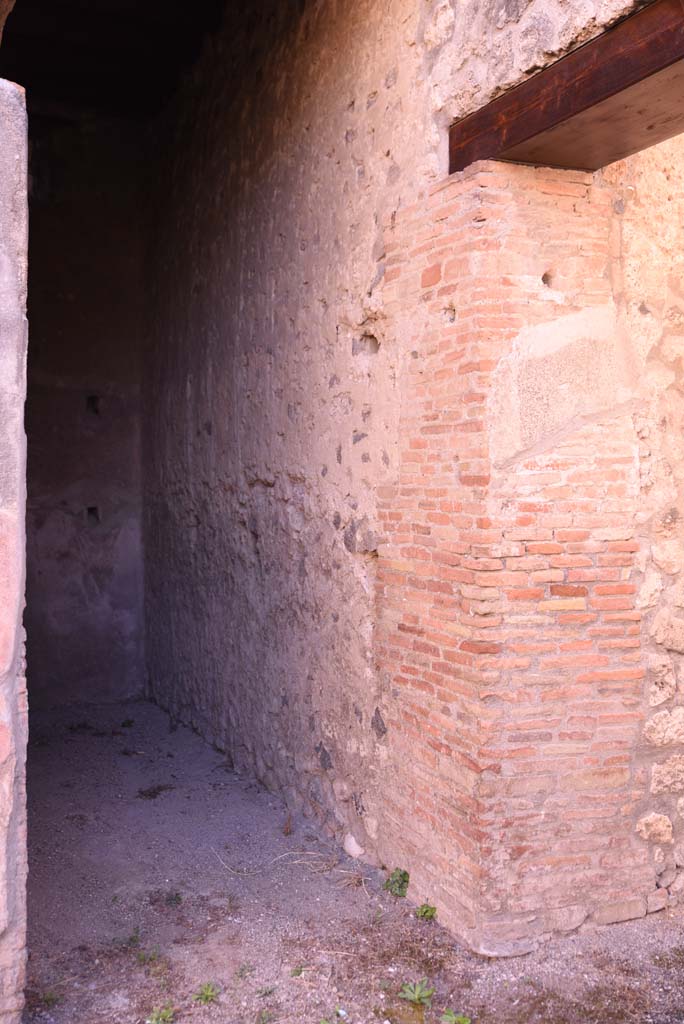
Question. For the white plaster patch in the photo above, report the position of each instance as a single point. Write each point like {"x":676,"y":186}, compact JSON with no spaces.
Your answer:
{"x":557,"y":373}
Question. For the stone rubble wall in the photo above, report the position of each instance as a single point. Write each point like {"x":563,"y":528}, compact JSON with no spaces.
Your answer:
{"x":650,"y":296}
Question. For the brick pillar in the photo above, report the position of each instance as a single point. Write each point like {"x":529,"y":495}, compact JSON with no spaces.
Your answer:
{"x":508,"y":638}
{"x":13,"y":710}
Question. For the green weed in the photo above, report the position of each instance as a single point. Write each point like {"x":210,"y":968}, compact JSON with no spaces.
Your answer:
{"x":145,"y":958}
{"x":208,"y":993}
{"x":397,"y":883}
{"x":426,"y":912}
{"x":417,"y":992}
{"x":449,"y":1017}
{"x":162,"y":1015}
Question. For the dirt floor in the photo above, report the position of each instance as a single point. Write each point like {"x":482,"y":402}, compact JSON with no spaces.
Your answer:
{"x":158,"y":875}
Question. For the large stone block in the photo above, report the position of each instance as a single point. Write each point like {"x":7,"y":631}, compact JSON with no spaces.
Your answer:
{"x":663,"y":683}
{"x":665,"y":727}
{"x":668,"y":777}
{"x":668,"y":630}
{"x":621,"y":910}
{"x":655,"y":828}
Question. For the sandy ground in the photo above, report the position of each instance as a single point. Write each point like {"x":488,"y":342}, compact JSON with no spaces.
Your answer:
{"x":155,"y":870}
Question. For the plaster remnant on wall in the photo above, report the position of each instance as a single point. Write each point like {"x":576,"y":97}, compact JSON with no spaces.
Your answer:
{"x":557,"y":373}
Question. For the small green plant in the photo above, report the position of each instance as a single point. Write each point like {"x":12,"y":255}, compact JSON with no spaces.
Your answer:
{"x":417,"y":992}
{"x":173,"y":899}
{"x":133,"y":940}
{"x":426,"y":912}
{"x":50,"y":999}
{"x":449,"y":1017}
{"x":265,"y":1017}
{"x":244,"y":971}
{"x":145,"y":957}
{"x":397,"y":882}
{"x":296,"y":972}
{"x":208,"y":993}
{"x":263,"y":993}
{"x":162,"y":1015}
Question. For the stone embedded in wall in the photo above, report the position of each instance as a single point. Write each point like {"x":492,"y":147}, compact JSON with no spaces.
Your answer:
{"x":666,"y":877}
{"x":668,"y":777}
{"x":440,"y":26}
{"x":668,"y":630}
{"x":622,"y":910}
{"x":650,"y":589}
{"x":663,"y":683}
{"x":655,"y":828}
{"x":656,"y":901}
{"x":676,"y":594}
{"x":668,"y":555}
{"x":677,"y":885}
{"x":666,"y":727}
{"x":353,"y":848}
{"x":360,"y":538}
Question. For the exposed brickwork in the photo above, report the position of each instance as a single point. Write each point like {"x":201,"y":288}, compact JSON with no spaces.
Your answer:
{"x":509,"y":632}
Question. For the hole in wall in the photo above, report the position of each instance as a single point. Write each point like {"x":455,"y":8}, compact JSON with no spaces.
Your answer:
{"x":93,"y":404}
{"x":367,"y":344}
{"x":547,"y":278}
{"x":93,"y":515}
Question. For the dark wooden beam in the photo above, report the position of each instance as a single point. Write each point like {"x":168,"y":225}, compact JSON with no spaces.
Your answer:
{"x":617,"y":94}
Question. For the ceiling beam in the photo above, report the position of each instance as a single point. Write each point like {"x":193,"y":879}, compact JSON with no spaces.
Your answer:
{"x":617,"y":94}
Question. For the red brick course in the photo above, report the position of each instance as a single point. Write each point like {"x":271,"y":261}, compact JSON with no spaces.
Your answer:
{"x":508,"y":635}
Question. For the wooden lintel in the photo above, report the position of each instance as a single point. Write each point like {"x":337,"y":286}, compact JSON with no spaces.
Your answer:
{"x":613,"y":96}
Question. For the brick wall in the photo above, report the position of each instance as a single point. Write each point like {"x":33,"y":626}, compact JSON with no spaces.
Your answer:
{"x":508,"y":636}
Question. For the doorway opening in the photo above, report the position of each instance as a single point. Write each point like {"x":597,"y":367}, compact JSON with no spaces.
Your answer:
{"x":273,"y":498}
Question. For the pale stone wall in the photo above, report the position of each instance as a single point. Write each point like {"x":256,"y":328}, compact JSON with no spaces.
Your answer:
{"x":650,"y":302}
{"x":13,"y":724}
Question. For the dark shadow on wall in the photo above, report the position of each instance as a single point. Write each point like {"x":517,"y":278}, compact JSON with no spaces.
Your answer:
{"x":84,"y":573}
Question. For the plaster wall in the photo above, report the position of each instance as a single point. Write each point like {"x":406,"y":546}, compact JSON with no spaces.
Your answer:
{"x":84,"y":614}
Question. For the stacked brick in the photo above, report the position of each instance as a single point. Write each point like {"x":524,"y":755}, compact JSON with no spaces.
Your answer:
{"x":509,"y":636}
